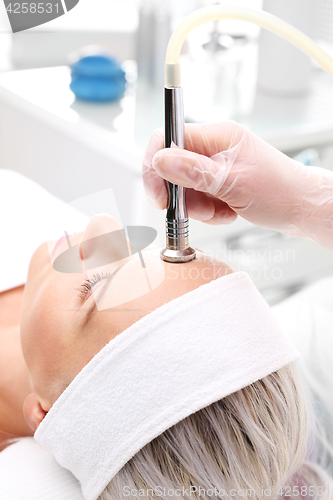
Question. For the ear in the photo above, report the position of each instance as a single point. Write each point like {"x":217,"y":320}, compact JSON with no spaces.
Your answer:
{"x":33,"y":411}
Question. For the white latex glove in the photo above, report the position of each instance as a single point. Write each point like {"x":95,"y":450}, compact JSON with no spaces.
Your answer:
{"x":230,"y":171}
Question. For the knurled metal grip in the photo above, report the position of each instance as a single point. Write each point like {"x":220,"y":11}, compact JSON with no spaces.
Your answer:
{"x":177,"y":234}
{"x":176,"y":221}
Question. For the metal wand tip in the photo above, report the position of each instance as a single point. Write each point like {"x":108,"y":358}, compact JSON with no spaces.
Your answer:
{"x":178,"y":256}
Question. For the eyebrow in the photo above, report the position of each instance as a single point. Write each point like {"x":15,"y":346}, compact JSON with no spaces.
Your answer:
{"x":93,"y":307}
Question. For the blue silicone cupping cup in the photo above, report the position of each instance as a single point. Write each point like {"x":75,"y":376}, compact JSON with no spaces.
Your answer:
{"x":97,"y":78}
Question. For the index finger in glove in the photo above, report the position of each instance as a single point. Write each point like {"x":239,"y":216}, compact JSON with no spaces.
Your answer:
{"x":155,"y":187}
{"x":204,"y":139}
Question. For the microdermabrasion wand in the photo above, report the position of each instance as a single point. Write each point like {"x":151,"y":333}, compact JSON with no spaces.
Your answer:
{"x":177,"y":230}
{"x":176,"y":222}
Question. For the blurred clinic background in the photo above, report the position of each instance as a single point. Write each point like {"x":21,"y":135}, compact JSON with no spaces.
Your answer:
{"x":75,"y":143}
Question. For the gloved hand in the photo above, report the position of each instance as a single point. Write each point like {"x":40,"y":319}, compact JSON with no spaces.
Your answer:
{"x":229,"y":171}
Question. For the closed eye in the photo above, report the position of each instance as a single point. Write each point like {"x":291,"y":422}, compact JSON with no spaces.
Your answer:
{"x":85,"y":288}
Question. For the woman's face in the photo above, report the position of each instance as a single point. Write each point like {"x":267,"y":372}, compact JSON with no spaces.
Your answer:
{"x":64,"y":323}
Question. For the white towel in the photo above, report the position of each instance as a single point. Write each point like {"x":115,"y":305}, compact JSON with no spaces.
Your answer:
{"x":27,"y":472}
{"x":179,"y":359}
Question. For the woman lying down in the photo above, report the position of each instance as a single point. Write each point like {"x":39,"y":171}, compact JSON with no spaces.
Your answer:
{"x":191,"y":388}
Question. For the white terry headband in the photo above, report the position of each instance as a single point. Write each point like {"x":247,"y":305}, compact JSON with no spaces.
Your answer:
{"x":179,"y":359}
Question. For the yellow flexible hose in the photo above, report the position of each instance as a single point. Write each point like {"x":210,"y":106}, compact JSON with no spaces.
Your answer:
{"x":261,"y":18}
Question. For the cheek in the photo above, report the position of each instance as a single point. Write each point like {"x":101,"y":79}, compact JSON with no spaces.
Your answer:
{"x":46,"y":333}
{"x":42,"y":331}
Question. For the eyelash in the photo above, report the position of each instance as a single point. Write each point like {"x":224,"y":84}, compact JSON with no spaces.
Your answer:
{"x":89,"y":284}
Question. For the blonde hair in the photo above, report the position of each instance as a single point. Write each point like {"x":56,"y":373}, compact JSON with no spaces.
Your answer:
{"x":251,"y":444}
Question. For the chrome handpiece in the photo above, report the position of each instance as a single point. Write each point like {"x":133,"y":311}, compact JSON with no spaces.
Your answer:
{"x":176,"y":221}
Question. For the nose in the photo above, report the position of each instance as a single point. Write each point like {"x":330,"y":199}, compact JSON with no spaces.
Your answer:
{"x":103,"y":242}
